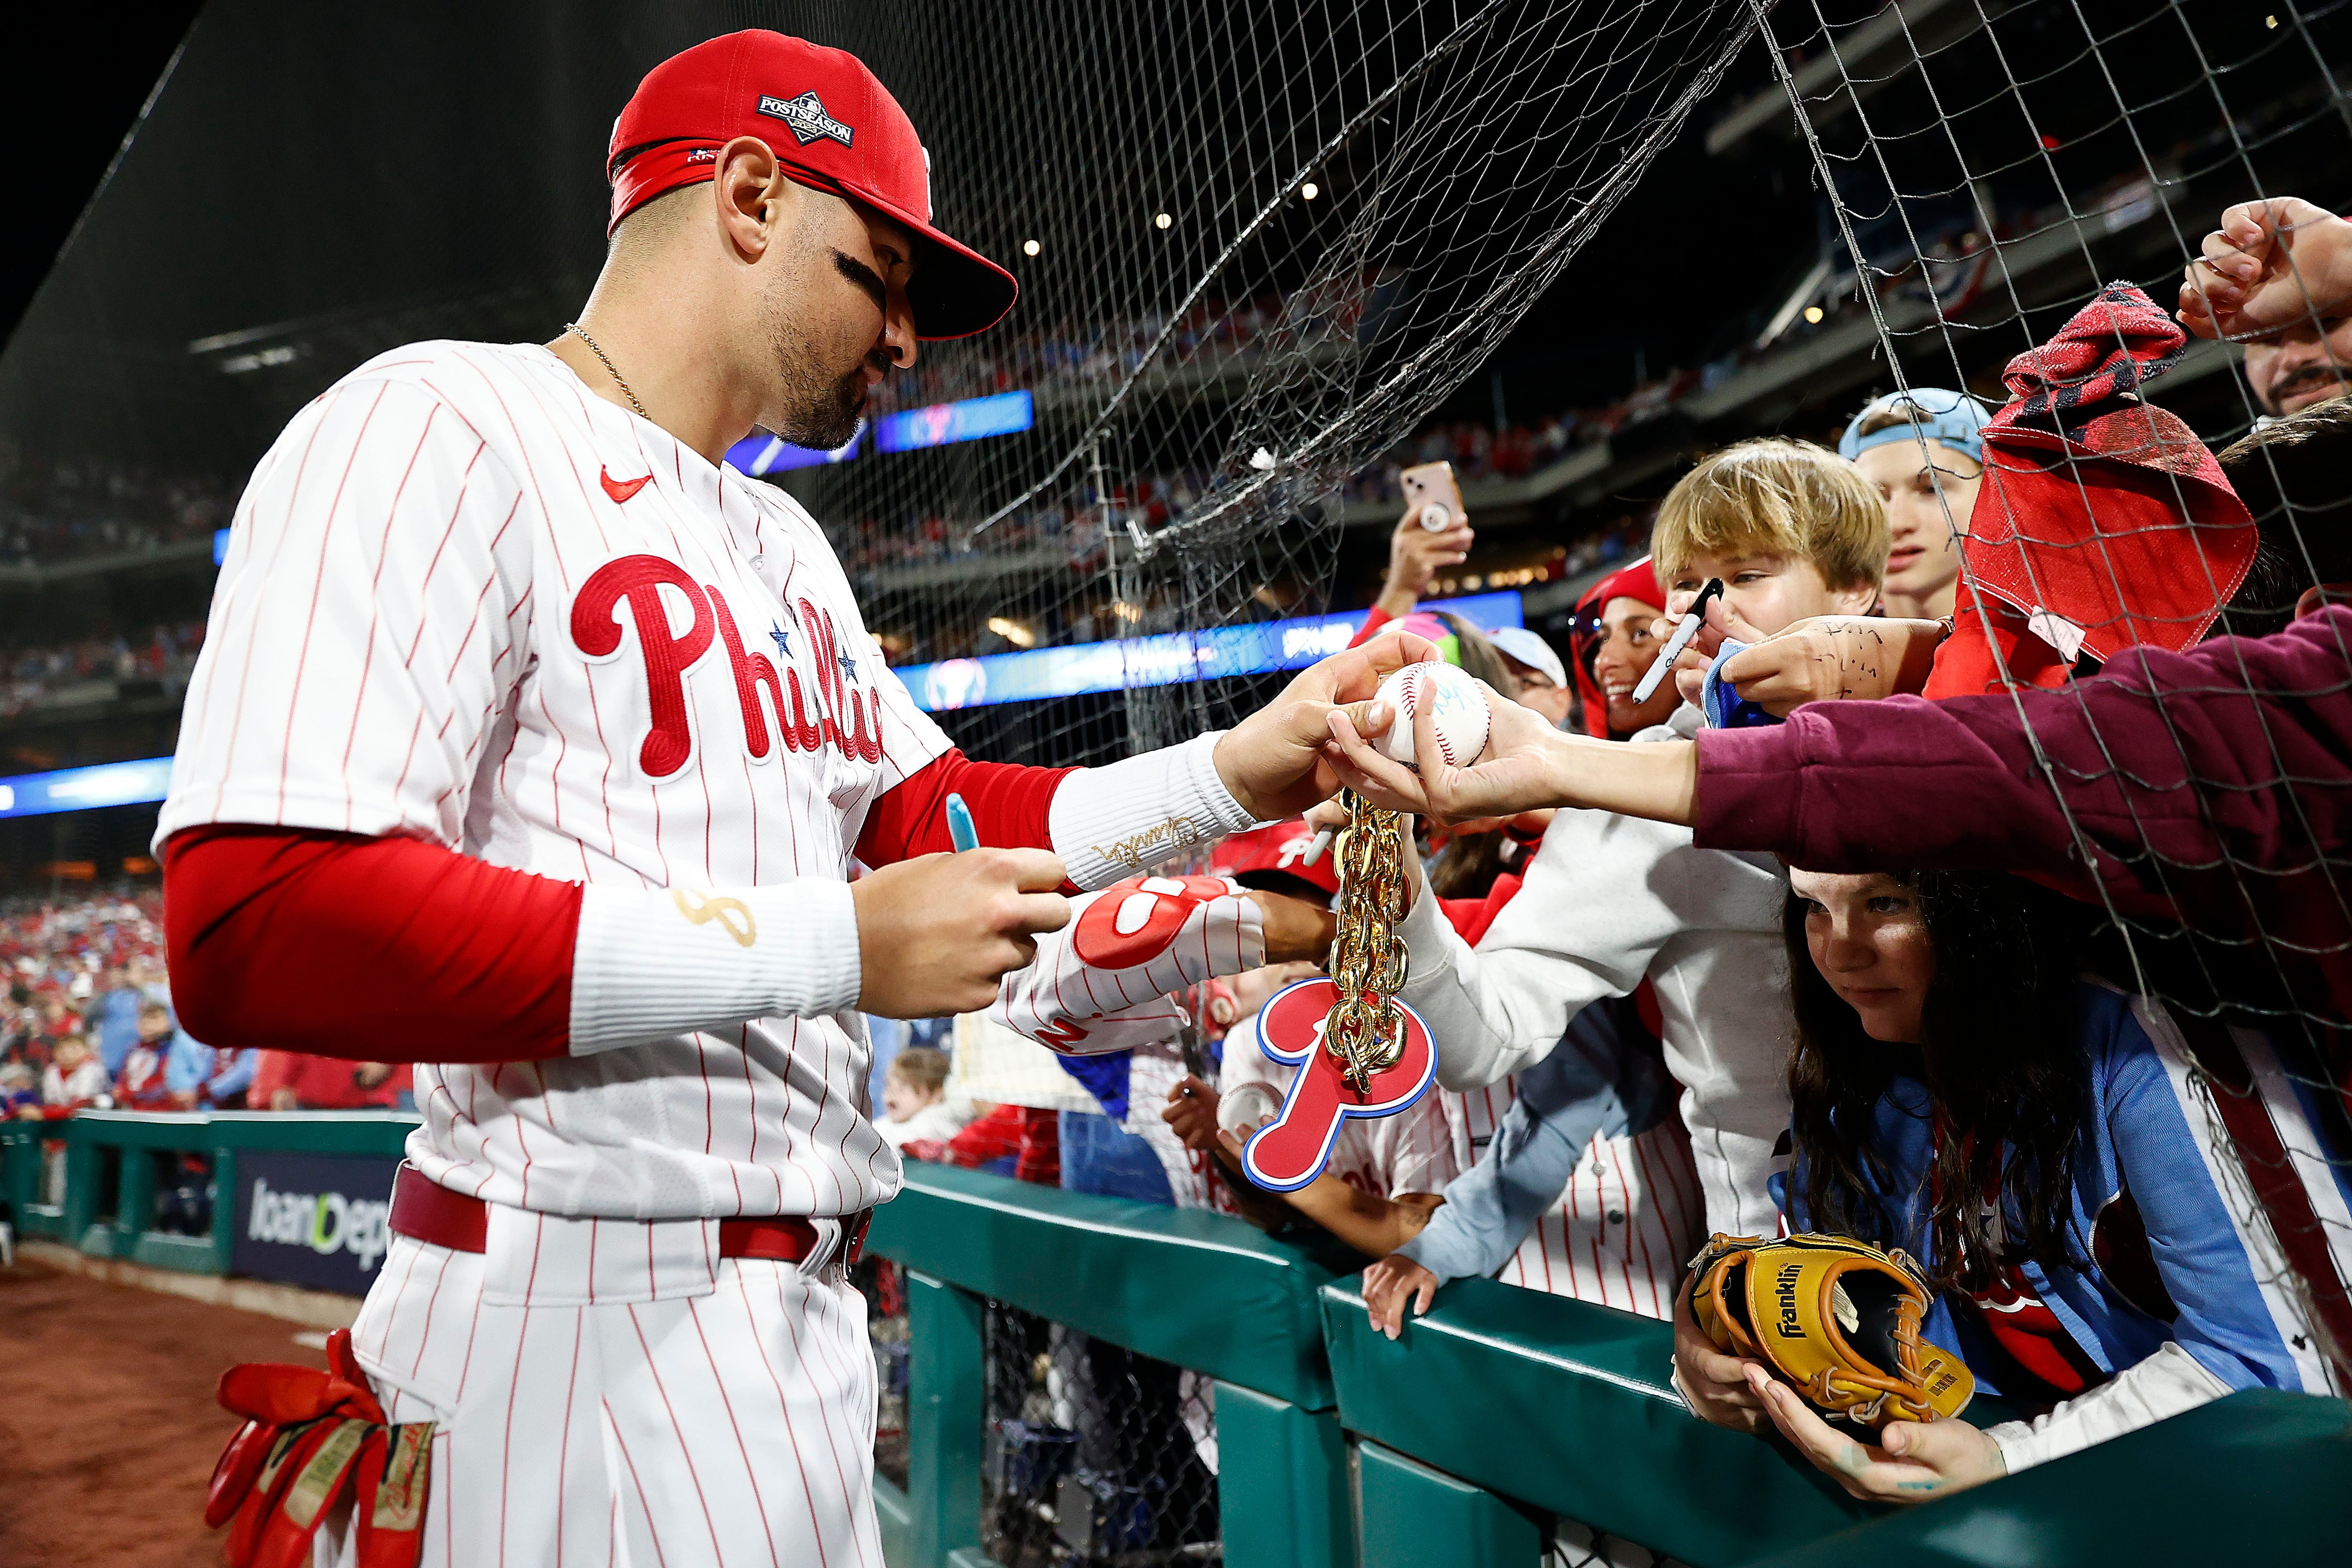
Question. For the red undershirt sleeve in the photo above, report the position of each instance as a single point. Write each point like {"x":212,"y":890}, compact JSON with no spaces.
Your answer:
{"x":1009,"y":804}
{"x":387,"y":950}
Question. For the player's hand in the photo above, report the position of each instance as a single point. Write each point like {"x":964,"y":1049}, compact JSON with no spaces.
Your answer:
{"x":1913,"y":1461}
{"x":1517,"y":771}
{"x":1296,"y":932}
{"x":1829,"y":658}
{"x":1714,"y":1384}
{"x":1415,"y":554}
{"x":1192,"y":1115}
{"x":1274,"y":762}
{"x":936,"y":934}
{"x":1390,"y":1284}
{"x":2271,"y":264}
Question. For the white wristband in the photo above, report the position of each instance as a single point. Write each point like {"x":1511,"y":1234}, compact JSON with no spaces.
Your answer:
{"x":1112,"y":822}
{"x":653,"y":963}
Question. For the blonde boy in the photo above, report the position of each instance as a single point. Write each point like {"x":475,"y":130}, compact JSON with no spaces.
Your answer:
{"x":1793,"y":529}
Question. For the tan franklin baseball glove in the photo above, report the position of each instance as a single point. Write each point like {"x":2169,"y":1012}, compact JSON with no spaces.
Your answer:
{"x":1835,"y":1318}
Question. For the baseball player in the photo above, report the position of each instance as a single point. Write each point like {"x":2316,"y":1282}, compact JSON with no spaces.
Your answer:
{"x":540,"y":743}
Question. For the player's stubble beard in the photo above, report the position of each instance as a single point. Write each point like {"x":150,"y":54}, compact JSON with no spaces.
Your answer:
{"x":820,"y":412}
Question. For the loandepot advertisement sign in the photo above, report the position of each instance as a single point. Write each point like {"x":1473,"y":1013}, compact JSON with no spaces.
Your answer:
{"x":313,"y":1219}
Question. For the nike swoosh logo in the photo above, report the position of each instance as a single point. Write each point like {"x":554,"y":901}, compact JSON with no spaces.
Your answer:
{"x":621,"y":490}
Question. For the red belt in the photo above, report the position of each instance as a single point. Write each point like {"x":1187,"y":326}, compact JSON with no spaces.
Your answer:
{"x":424,"y":1212}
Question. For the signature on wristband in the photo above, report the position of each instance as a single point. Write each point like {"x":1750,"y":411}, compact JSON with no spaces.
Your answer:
{"x":1153,"y":844}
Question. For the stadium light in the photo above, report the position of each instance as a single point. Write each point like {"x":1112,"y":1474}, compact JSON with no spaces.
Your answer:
{"x":1813,"y":315}
{"x":1163,"y":221}
{"x":1013,"y":631}
{"x":1030,"y":248}
{"x":1310,"y":190}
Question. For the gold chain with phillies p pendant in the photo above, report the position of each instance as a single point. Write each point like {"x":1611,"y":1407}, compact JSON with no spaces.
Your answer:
{"x":1365,"y":1028}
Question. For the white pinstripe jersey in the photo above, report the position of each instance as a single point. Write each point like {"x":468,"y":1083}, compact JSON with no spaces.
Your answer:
{"x":1623,"y":1227}
{"x":467,"y":601}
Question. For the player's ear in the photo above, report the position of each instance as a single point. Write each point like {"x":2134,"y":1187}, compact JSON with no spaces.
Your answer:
{"x":755,"y":199}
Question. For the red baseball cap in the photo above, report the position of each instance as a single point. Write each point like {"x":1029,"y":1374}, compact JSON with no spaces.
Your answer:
{"x":1271,"y":855}
{"x":834,"y":128}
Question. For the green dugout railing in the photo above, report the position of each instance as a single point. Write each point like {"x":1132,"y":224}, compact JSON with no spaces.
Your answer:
{"x":1451,"y":1445}
{"x":112,"y":1160}
{"x":1338,"y":1448}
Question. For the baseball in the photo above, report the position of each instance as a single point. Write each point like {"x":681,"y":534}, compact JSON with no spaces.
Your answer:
{"x":1457,"y":709}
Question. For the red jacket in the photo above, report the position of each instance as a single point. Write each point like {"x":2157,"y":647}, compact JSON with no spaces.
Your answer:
{"x":324,"y":1083}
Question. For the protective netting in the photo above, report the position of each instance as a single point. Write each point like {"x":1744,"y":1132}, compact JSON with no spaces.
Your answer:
{"x":1089,"y":1453}
{"x":1092,"y":1453}
{"x":1994,"y":169}
{"x":1574,"y":1545}
{"x":1258,"y":245}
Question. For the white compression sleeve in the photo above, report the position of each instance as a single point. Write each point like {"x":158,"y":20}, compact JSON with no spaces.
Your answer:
{"x":2166,"y":1383}
{"x":1112,"y":822}
{"x":653,"y":963}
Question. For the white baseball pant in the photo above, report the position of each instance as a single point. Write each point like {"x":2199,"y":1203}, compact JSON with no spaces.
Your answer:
{"x":615,"y":1393}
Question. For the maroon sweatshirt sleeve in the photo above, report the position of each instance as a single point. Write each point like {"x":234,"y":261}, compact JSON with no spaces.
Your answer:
{"x":2201,"y":777}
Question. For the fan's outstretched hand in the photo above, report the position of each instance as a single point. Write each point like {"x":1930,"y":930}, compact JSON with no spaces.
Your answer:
{"x":1515,"y":773}
{"x":2272,"y":263}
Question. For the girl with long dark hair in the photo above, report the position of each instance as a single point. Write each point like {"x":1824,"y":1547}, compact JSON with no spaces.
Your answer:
{"x":2035,"y":1140}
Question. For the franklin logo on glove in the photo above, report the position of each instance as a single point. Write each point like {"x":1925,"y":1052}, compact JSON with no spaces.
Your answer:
{"x":1845,"y":1324}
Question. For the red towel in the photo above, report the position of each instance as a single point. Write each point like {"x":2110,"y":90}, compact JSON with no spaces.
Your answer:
{"x":2105,"y":522}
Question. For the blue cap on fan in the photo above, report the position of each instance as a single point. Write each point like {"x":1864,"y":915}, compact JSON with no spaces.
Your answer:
{"x":1954,"y":418}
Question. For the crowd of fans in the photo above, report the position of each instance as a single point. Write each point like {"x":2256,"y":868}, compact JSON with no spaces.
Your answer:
{"x":68,"y":509}
{"x":164,"y":653}
{"x":86,"y":1022}
{"x":1073,"y":355}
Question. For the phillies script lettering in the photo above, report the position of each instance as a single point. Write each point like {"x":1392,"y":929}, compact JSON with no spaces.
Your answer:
{"x":838,"y":714}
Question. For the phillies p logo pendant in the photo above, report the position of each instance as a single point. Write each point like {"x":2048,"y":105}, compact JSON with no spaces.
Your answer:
{"x":1291,"y":1150}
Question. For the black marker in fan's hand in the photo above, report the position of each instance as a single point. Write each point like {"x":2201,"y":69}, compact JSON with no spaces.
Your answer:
{"x":1693,"y":618}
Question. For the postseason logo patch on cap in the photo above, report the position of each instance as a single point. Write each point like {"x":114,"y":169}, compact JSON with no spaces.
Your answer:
{"x":806,"y":117}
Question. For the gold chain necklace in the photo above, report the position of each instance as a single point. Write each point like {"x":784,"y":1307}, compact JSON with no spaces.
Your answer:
{"x":574,"y":328}
{"x":1365,"y":1028}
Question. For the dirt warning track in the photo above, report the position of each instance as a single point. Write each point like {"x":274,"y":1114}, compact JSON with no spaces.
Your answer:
{"x":108,"y":1427}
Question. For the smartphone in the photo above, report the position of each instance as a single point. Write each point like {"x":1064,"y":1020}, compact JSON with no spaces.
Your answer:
{"x":1433,"y":495}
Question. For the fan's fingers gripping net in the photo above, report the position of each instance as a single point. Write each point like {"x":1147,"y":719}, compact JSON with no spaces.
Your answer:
{"x":1990,"y":167}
